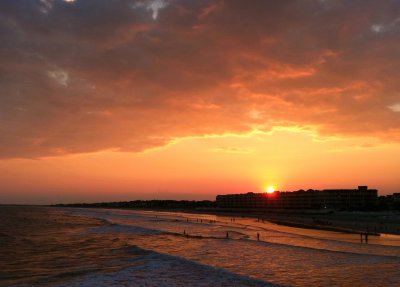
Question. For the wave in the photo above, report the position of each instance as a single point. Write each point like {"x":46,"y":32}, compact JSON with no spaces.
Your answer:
{"x":324,"y":250}
{"x":136,"y":220}
{"x":158,"y":269}
{"x":232,"y":235}
{"x":130,"y":229}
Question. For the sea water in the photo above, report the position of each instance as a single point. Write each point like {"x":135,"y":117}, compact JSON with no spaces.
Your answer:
{"x":106,"y":247}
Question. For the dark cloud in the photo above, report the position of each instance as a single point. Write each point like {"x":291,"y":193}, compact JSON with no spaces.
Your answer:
{"x":84,"y":76}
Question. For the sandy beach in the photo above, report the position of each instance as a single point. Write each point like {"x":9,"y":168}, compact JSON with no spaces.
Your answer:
{"x":385,"y":222}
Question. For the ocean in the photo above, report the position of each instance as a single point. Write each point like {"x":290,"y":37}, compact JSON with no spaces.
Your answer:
{"x":48,"y":246}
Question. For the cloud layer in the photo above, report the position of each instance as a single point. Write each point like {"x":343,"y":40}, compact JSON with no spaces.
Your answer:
{"x":82,"y":76}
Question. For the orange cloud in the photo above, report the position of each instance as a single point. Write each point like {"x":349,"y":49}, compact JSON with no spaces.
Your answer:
{"x":88,"y":76}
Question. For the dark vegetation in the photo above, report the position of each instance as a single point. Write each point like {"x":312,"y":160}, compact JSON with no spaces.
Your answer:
{"x":147,"y":204}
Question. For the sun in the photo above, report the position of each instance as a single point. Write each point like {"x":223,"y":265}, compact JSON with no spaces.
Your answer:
{"x":270,"y":189}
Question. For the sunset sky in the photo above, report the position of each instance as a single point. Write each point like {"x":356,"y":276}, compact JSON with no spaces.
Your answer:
{"x":185,"y":99}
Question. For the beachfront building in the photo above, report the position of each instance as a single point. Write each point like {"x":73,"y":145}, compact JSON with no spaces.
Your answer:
{"x":361,"y":198}
{"x":389,"y":201}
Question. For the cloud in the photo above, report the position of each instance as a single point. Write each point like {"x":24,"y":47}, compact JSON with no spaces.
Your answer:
{"x":378,"y":28}
{"x":60,"y":76}
{"x":151,"y":5}
{"x":395,"y":107}
{"x":255,"y":114}
{"x":236,"y":150}
{"x":390,"y":26}
{"x":46,"y":6}
{"x":100,"y":75}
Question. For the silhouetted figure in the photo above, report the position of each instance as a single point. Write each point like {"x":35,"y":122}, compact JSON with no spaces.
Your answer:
{"x":227,"y":235}
{"x":184,"y":231}
{"x":258,"y":236}
{"x":366,"y":237}
{"x":361,"y":237}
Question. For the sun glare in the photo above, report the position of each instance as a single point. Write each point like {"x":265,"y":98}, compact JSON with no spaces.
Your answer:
{"x":270,"y":189}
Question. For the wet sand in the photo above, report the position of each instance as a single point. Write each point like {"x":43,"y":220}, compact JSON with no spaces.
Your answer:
{"x":375,"y":223}
{"x":372,"y":222}
{"x":387,"y":222}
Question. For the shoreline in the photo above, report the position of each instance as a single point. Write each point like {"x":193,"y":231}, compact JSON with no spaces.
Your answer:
{"x":322,"y":227}
{"x":308,"y":221}
{"x":371,"y":223}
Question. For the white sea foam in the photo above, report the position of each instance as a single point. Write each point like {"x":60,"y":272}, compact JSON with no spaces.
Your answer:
{"x":163,"y":270}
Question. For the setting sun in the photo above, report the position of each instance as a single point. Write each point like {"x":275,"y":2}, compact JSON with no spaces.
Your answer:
{"x":270,"y":189}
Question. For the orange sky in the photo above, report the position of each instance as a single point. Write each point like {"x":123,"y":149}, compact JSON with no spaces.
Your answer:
{"x":123,"y":100}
